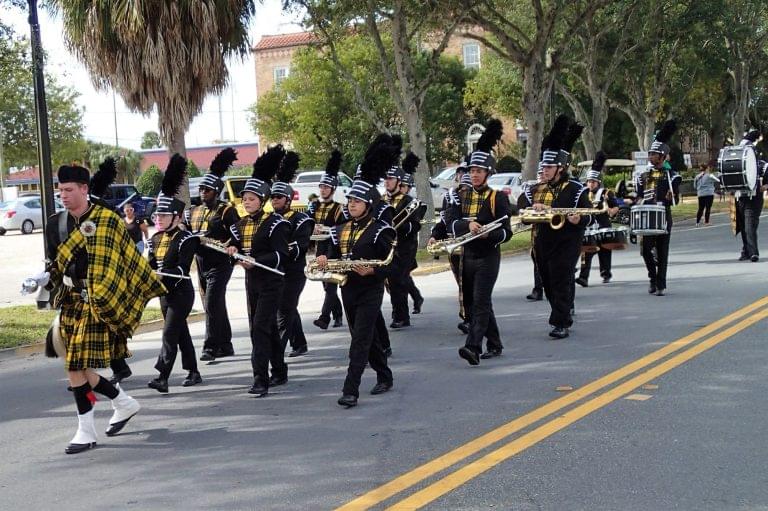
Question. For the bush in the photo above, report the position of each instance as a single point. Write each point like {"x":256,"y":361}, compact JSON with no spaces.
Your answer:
{"x":509,"y":164}
{"x":149,"y":181}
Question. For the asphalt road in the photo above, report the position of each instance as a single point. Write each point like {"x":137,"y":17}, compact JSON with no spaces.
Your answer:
{"x":694,"y":439}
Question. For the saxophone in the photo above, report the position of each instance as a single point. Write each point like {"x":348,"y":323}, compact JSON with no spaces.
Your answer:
{"x":335,"y":270}
{"x":555,"y":217}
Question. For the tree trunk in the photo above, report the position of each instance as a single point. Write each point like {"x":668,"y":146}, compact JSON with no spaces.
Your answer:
{"x":177,"y":145}
{"x":537,"y":87}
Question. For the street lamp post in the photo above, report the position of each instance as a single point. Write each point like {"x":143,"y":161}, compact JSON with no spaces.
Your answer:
{"x":41,"y":116}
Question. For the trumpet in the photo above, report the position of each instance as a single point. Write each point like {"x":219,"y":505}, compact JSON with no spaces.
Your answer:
{"x":449,"y":246}
{"x":324,"y":234}
{"x":555,"y":217}
{"x":222,"y":247}
{"x":335,"y":270}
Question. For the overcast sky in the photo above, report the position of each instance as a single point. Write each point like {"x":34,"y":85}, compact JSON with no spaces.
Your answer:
{"x":99,"y":114}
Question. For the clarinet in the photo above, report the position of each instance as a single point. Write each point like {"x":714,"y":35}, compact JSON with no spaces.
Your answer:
{"x":221,"y":247}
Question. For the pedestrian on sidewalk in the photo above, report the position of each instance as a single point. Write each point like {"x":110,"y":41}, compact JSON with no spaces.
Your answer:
{"x":705,"y":183}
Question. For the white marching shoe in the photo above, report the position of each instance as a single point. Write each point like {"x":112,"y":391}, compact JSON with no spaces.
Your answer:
{"x":125,"y":407}
{"x":85,"y":438}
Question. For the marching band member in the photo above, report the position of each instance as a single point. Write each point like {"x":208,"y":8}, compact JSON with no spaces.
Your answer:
{"x":406,"y":185}
{"x":213,"y":219}
{"x":326,"y":212}
{"x":659,"y":185}
{"x":264,"y":237}
{"x":85,"y":245}
{"x":171,"y":251}
{"x":480,"y":205}
{"x":557,"y":250}
{"x":597,"y":195}
{"x":749,"y":206}
{"x":302,"y":226}
{"x":367,"y":238}
{"x":537,"y":293}
{"x":99,"y":185}
{"x":407,"y":241}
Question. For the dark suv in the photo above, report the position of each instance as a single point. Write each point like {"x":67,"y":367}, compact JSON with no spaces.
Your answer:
{"x":120,"y":194}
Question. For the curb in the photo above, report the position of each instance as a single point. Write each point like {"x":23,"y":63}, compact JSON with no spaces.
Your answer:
{"x":39,"y":347}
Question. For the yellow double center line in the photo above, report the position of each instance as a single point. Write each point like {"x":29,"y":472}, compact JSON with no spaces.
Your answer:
{"x":466,"y":473}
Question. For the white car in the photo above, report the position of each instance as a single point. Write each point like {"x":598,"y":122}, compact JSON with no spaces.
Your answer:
{"x":24,"y":214}
{"x":306,"y":184}
{"x":509,"y":183}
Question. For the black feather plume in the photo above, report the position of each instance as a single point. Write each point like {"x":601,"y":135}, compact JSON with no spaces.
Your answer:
{"x":288,"y":167}
{"x":103,"y":177}
{"x":397,"y":141}
{"x":174,"y":175}
{"x":667,"y":130}
{"x":555,"y":139}
{"x":381,"y":138}
{"x":599,"y":162}
{"x":221,"y":163}
{"x":334,"y":163}
{"x":265,"y":167}
{"x":752,"y":136}
{"x":491,"y":136}
{"x":410,"y":163}
{"x":574,"y":132}
{"x":379,"y":158}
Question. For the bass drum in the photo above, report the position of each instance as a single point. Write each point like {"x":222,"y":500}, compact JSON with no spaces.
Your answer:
{"x":591,"y":241}
{"x":613,"y":238}
{"x":738,"y":168}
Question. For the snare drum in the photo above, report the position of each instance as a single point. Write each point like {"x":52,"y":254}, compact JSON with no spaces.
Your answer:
{"x":591,"y":242}
{"x":738,"y":168}
{"x":613,"y":238}
{"x":648,"y":219}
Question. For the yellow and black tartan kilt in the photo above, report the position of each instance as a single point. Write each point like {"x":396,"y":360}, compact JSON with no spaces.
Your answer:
{"x":90,"y":343}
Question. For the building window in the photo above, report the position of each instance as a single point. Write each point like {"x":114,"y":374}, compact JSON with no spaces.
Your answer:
{"x":280,"y":74}
{"x":471,"y":53}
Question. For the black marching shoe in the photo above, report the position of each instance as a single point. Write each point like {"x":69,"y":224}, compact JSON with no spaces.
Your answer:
{"x":606,"y":279}
{"x":660,"y":291}
{"x":301,"y":350}
{"x":120,"y":376}
{"x":469,"y":355}
{"x":224,"y":352}
{"x":744,"y":257}
{"x":559,"y":333}
{"x":193,"y":378}
{"x":388,"y":351}
{"x":754,"y":258}
{"x":347,"y":401}
{"x":417,"y":305}
{"x":399,"y":324}
{"x":207,"y":356}
{"x":464,"y":327}
{"x":321,"y":324}
{"x":490,"y":354}
{"x":536,"y":295}
{"x":652,"y":289}
{"x":338,"y":322}
{"x":381,"y":388}
{"x":159,"y":384}
{"x":259,"y":388}
{"x":582,"y":282}
{"x":275,"y":381}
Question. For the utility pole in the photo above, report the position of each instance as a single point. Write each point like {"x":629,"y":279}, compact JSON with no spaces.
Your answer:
{"x":221,"y":122}
{"x":114,"y":113}
{"x":2,"y":175}
{"x":41,"y":115}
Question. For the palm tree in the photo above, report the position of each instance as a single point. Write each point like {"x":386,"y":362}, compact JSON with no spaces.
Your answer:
{"x":162,"y":54}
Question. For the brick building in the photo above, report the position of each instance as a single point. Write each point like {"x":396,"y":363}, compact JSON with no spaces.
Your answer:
{"x":202,"y":156}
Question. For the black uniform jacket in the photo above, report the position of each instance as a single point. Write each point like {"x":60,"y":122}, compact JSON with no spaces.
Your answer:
{"x":495,"y":206}
{"x":302,"y":227}
{"x":217,"y":226}
{"x":268,"y":243}
{"x":573,"y":195}
{"x":178,"y":255}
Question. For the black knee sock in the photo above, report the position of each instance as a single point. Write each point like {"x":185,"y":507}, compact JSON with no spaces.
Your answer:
{"x":84,"y":398}
{"x":105,"y":388}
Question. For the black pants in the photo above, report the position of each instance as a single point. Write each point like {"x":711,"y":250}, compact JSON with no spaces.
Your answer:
{"x":362,"y":305}
{"x":176,"y":306}
{"x":705,"y":208}
{"x":750,"y":208}
{"x":213,"y":290}
{"x":413,"y":291}
{"x":398,"y":290}
{"x":331,"y":303}
{"x":538,"y":285}
{"x":656,"y":264}
{"x":479,"y":277}
{"x":288,"y":318}
{"x":604,"y":256}
{"x":263,"y":293}
{"x":118,"y":365}
{"x":465,"y":310}
{"x":556,"y":260}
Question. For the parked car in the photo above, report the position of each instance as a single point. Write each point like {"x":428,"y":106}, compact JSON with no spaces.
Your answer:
{"x":445,"y":178}
{"x":119,"y":195}
{"x":24,"y":214}
{"x":509,"y":183}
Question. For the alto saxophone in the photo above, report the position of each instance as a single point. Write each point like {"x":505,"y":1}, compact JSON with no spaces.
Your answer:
{"x":555,"y":217}
{"x":335,"y":270}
